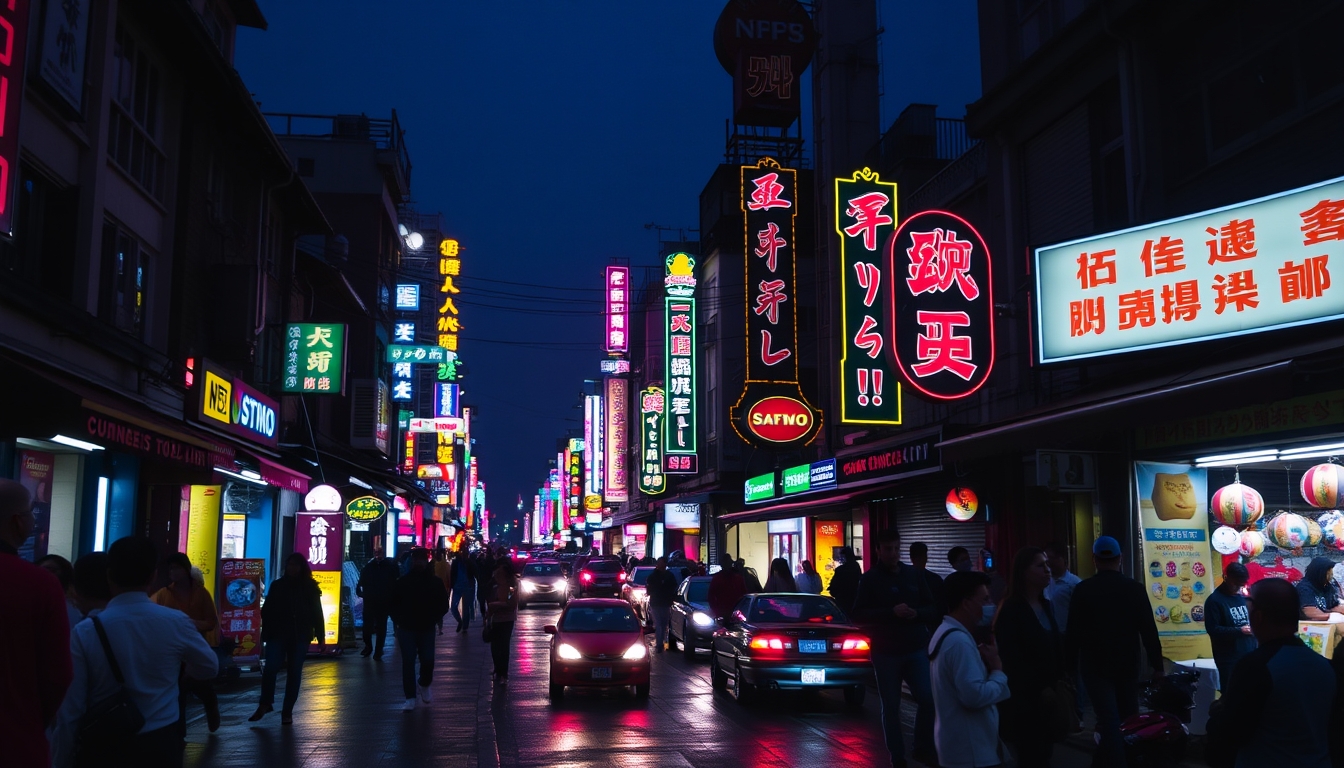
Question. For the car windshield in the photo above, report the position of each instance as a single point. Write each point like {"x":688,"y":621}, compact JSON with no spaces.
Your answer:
{"x":604,"y":566}
{"x":697,"y":592}
{"x":600,"y":619}
{"x":796,"y":609}
{"x":640,"y":577}
{"x":542,"y":569}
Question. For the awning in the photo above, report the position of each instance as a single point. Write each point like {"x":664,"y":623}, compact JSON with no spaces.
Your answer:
{"x":283,"y":477}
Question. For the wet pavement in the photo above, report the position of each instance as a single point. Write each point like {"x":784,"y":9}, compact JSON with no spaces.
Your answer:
{"x":349,"y":714}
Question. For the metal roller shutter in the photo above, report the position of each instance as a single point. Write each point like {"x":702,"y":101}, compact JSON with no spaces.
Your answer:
{"x":920,"y":514}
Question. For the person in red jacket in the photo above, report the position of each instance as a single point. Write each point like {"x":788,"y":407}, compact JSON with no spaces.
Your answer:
{"x":725,"y":590}
{"x":35,"y":668}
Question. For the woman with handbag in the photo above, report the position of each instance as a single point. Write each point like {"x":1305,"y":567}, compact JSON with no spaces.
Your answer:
{"x":1030,"y":645}
{"x":503,"y":611}
{"x":290,"y":618}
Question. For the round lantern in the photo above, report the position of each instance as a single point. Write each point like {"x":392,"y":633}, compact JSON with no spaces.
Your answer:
{"x":1314,"y":533}
{"x":1332,"y":528}
{"x":1288,"y":531}
{"x":1252,"y":543}
{"x":962,"y":504}
{"x":1237,"y":505}
{"x":1226,"y":540}
{"x":1321,"y":485}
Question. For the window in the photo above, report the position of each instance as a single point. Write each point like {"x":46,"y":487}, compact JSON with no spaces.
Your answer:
{"x":124,"y":280}
{"x":133,"y":130}
{"x":711,"y":391}
{"x":42,"y":253}
{"x":613,"y":619}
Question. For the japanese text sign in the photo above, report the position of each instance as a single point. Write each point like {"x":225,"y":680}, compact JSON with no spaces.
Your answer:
{"x":408,"y":297}
{"x":618,"y":309}
{"x":314,"y":358}
{"x":1246,"y":268}
{"x":942,"y":305}
{"x":614,"y":428}
{"x":679,"y":426}
{"x":651,"y":479}
{"x":14,"y":18}
{"x":865,"y":217}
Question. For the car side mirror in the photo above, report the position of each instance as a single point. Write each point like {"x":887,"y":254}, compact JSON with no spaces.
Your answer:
{"x":549,"y":629}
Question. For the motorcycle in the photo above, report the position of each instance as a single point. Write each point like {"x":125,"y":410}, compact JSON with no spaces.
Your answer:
{"x":1160,"y":735}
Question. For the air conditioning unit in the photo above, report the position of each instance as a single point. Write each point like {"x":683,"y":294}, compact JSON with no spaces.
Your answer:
{"x":370,"y":416}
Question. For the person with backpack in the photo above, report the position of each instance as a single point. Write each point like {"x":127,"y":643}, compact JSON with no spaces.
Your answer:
{"x":968,"y":679}
{"x":419,"y":602}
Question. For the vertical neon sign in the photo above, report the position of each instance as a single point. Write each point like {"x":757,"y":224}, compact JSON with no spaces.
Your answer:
{"x":651,"y":406}
{"x":614,"y":430}
{"x":865,"y":217}
{"x":679,"y":426}
{"x":618,"y":313}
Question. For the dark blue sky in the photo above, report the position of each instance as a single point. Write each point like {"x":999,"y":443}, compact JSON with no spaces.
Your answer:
{"x":548,"y":132}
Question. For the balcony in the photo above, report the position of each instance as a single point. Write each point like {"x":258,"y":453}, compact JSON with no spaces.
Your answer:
{"x":387,"y":137}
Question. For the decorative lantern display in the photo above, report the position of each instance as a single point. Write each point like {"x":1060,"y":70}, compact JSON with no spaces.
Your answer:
{"x":1314,"y":533}
{"x":1252,"y":543}
{"x":962,"y":504}
{"x":1332,"y":528}
{"x":1226,"y":541}
{"x":1321,"y":485}
{"x":1237,"y":505}
{"x":1288,"y":531}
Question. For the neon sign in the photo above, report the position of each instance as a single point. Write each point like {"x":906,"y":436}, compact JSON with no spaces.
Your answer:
{"x":865,"y":217}
{"x":314,"y":358}
{"x":651,"y":406}
{"x":616,"y":487}
{"x":679,"y":426}
{"x":618,"y":314}
{"x":450,"y":267}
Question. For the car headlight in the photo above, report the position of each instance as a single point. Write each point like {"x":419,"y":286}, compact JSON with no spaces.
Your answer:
{"x":527,"y":585}
{"x":567,"y":651}
{"x":702,"y":619}
{"x":562,"y":585}
{"x":636,"y":652}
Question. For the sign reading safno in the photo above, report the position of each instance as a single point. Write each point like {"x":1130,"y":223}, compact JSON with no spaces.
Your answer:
{"x":779,"y":419}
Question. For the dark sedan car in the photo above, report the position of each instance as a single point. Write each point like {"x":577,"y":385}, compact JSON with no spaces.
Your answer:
{"x":599,"y":578}
{"x":690,"y":621}
{"x":789,"y":641}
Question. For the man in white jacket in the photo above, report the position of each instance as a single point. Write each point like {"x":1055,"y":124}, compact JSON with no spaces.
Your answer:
{"x":968,"y":680}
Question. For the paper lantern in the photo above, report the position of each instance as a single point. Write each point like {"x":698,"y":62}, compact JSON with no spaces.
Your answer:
{"x":1332,"y":528}
{"x":1288,"y":531}
{"x":1314,"y":533}
{"x":1321,"y":485}
{"x":1237,"y":505}
{"x":1226,"y":540}
{"x":962,"y":504}
{"x":1252,"y":543}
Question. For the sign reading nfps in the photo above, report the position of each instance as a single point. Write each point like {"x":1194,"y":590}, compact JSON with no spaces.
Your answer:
{"x":865,"y":217}
{"x":942,"y":305}
{"x":765,"y":45}
{"x":1251,"y":267}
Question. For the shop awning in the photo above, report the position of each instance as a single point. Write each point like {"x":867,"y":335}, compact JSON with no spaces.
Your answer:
{"x":283,"y":477}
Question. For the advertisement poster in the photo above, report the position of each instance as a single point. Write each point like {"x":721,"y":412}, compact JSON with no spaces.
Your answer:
{"x":1177,"y":559}
{"x":240,"y":606}
{"x":320,"y":536}
{"x":829,"y":537}
{"x":35,"y":471}
{"x":203,"y":525}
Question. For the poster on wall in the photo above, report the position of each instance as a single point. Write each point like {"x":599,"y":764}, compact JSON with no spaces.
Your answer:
{"x":1177,"y":559}
{"x":35,"y":473}
{"x":828,"y":537}
{"x":203,"y":527}
{"x":240,"y":605}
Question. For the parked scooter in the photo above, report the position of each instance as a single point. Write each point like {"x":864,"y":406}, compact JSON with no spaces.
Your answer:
{"x":1160,"y":735}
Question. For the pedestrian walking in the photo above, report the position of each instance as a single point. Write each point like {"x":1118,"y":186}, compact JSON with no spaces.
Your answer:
{"x":1227,"y":619}
{"x":485,"y":580}
{"x":845,"y":580}
{"x":968,"y":679}
{"x":185,"y":594}
{"x":375,"y":586}
{"x":809,"y":580}
{"x":1110,"y":627}
{"x":441,"y":571}
{"x":1030,"y":643}
{"x":419,"y":602}
{"x":291,"y":617}
{"x":726,"y":588}
{"x":895,"y":605}
{"x":35,"y":667}
{"x":780,"y":580}
{"x":503,"y":612}
{"x":661,"y":589}
{"x":137,"y":649}
{"x":1277,"y":709}
{"x":462,"y":576}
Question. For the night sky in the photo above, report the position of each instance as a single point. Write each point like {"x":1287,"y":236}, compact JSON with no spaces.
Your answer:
{"x":548,"y":133}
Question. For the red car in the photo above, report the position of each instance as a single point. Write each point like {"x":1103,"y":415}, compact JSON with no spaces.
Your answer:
{"x":598,"y":643}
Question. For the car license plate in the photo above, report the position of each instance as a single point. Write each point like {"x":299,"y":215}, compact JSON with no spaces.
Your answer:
{"x":602,"y":673}
{"x":812,"y":646}
{"x":814,"y":677}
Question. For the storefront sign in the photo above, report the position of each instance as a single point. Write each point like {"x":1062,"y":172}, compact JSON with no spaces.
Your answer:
{"x":416,"y":353}
{"x":759,"y":488}
{"x":962,"y":504}
{"x":942,"y":305}
{"x":240,"y":605}
{"x":618,"y":312}
{"x":574,"y":460}
{"x":592,"y":431}
{"x":203,"y":524}
{"x":779,"y":419}
{"x":283,"y":477}
{"x":228,"y":403}
{"x":680,"y":426}
{"x":366,"y":509}
{"x":408,"y":297}
{"x":651,"y":479}
{"x":403,"y":332}
{"x":615,"y":423}
{"x":129,"y":437}
{"x":65,"y":48}
{"x":765,"y":45}
{"x":444,"y":424}
{"x":1246,"y":268}
{"x":403,"y":382}
{"x":681,"y":517}
{"x":829,"y":538}
{"x":449,"y":324}
{"x":817,"y":476}
{"x":1178,"y":563}
{"x":865,"y":217}
{"x":615,"y":366}
{"x":14,"y":19}
{"x":319,"y":536}
{"x":446,"y":400}
{"x":314,"y":358}
{"x":1299,"y":413}
{"x":912,"y":458}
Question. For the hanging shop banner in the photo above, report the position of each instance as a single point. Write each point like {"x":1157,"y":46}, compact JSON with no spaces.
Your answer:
{"x":449,"y":325}
{"x":1178,"y":563}
{"x":314,"y":358}
{"x":1245,"y":268}
{"x":14,"y":18}
{"x":615,"y":426}
{"x":651,"y":479}
{"x":765,"y":45}
{"x":865,"y":217}
{"x":614,"y":366}
{"x":680,"y":425}
{"x":942,"y":305}
{"x":618,"y":310}
{"x":592,"y":430}
{"x":417,"y":353}
{"x":320,"y":536}
{"x":203,"y":525}
{"x":227,"y":403}
{"x":240,"y":606}
{"x":772,"y":411}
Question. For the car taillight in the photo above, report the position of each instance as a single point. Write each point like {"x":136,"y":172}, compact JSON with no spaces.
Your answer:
{"x":855,"y":644}
{"x":620,"y":576}
{"x":586,"y":576}
{"x":769,"y":643}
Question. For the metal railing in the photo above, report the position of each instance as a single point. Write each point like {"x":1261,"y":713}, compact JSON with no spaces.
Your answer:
{"x":386,"y":135}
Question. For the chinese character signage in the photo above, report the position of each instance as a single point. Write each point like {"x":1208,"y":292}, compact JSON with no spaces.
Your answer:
{"x":942,"y":305}
{"x":1174,"y":521}
{"x":592,"y":435}
{"x":1251,"y":267}
{"x":769,"y":208}
{"x":366,"y":509}
{"x":651,"y":406}
{"x":759,"y":488}
{"x":403,"y":382}
{"x":865,"y":217}
{"x":417,"y":353}
{"x":14,"y":18}
{"x":679,"y":426}
{"x":403,"y":332}
{"x":616,"y":485}
{"x":314,"y":358}
{"x":240,"y":605}
{"x":450,"y":270}
{"x":446,"y":397}
{"x":447,"y":424}
{"x":765,"y":45}
{"x":408,"y":297}
{"x":618,"y":310}
{"x":574,"y":460}
{"x":320,"y":536}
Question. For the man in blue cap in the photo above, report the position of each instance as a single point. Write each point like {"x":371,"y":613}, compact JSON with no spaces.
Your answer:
{"x":1110,"y":622}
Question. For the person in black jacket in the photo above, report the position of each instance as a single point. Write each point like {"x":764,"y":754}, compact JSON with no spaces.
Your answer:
{"x":1110,"y":622}
{"x":419,"y":602}
{"x":661,"y":588}
{"x":1029,"y":643}
{"x":462,"y":577}
{"x":290,"y":618}
{"x":896,"y":607}
{"x":845,"y":580}
{"x":375,"y":586}
{"x":1227,"y":619}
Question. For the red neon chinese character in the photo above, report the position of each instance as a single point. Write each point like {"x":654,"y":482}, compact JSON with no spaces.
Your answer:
{"x":770,"y":242}
{"x":870,"y":278}
{"x":1163,"y":257}
{"x":868,"y":339}
{"x":1180,"y":301}
{"x":1238,"y":288}
{"x":766,"y":194}
{"x":1306,"y":280}
{"x":939,"y":349}
{"x":1087,"y":316}
{"x":1096,"y":268}
{"x":1323,"y":221}
{"x":868,"y":216}
{"x":681,"y":345}
{"x":768,"y":301}
{"x":1136,"y":308}
{"x":681,"y":324}
{"x":938,"y":259}
{"x":1233,"y":242}
{"x":772,"y":358}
